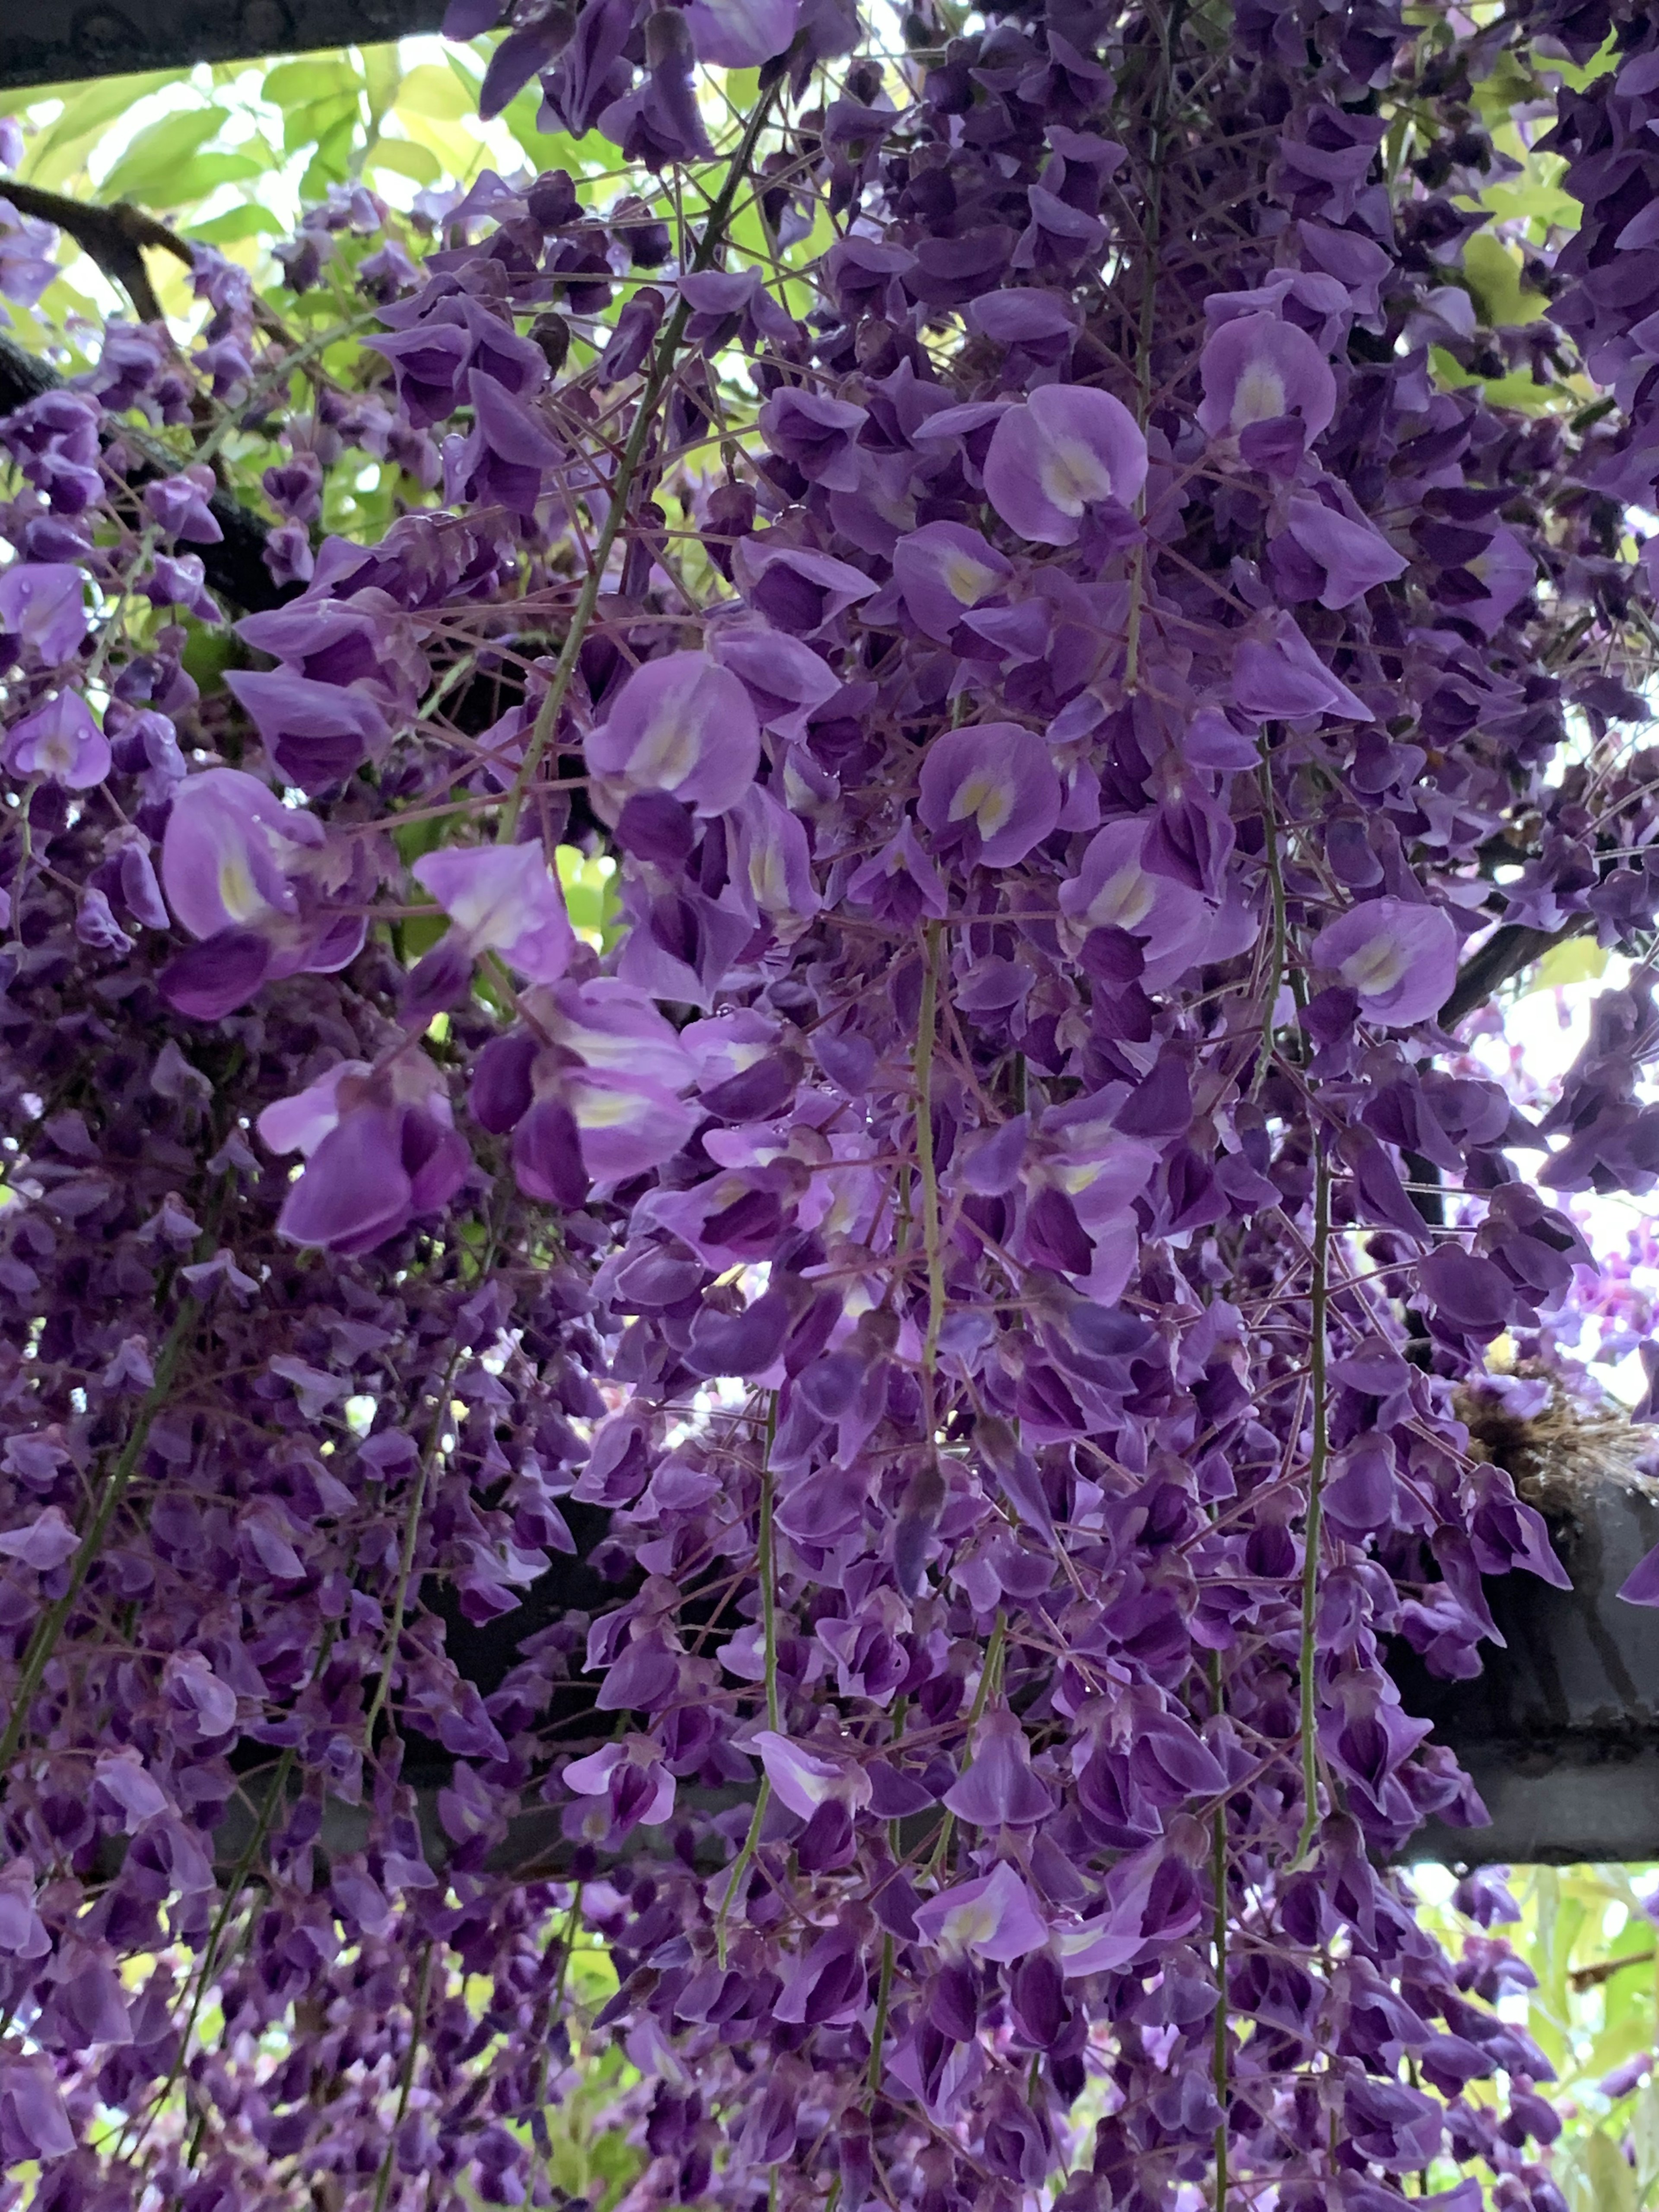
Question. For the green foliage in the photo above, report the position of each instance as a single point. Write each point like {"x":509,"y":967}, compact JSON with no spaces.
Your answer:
{"x":1586,"y":1935}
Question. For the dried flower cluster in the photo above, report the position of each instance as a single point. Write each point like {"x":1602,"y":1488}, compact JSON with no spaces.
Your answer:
{"x":861,"y":1432}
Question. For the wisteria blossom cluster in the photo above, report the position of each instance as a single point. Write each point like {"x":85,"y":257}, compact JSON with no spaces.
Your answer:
{"x":858,"y":1427}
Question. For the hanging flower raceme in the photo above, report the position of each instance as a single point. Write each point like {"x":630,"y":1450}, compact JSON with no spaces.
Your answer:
{"x":740,"y":1268}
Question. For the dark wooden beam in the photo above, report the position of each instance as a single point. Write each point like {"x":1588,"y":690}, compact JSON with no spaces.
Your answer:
{"x":1560,"y":1731}
{"x":42,"y":44}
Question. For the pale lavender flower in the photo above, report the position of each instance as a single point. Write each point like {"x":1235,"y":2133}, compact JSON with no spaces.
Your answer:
{"x":1399,"y":957}
{"x":59,"y":743}
{"x":1066,"y":448}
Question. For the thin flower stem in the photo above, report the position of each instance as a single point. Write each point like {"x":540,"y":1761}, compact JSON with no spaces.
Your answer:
{"x":768,"y":1575}
{"x":406,"y":1556}
{"x":406,"y":2081}
{"x":926,"y":1033}
{"x":1318,"y":1450}
{"x":50,"y":1624}
{"x":879,"y":2031}
{"x":1218,"y":1882}
{"x":766,"y":1570}
{"x":1277,"y":956}
{"x":656,"y":384}
{"x":990,"y":1679}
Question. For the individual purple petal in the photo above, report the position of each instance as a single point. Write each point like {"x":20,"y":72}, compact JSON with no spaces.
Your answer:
{"x":627,"y":1125}
{"x":1066,"y":448}
{"x":228,"y":852}
{"x":507,"y":458}
{"x":1258,"y":371}
{"x":994,"y":785}
{"x":60,"y":744}
{"x":1399,"y":958}
{"x":1353,"y":556}
{"x":1281,"y":678}
{"x":547,"y":1154}
{"x":1508,"y":573}
{"x":741,"y":33}
{"x":776,"y":862}
{"x":1641,"y":1585}
{"x":682,"y":724}
{"x":803,"y":1779}
{"x":944,"y":569}
{"x":42,"y":606}
{"x":786,"y":680}
{"x":43,"y":1543}
{"x":998,"y":1789}
{"x":993,"y":1917}
{"x":317,"y":734}
{"x":505,"y":899}
{"x":1471,"y":1293}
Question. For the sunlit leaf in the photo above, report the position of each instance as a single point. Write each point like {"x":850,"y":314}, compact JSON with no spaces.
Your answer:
{"x":318,"y":76}
{"x":406,"y":158}
{"x":1492,"y":270}
{"x":436,"y":93}
{"x":1580,"y":960}
{"x":157,"y":153}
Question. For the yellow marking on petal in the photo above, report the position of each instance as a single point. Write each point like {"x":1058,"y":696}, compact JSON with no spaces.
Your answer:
{"x":968,"y":580}
{"x":667,"y":752}
{"x":1071,"y":474}
{"x":607,"y":1109}
{"x":1124,"y":900}
{"x":989,"y":800}
{"x":1259,"y":395}
{"x":1375,"y":968}
{"x":237,"y":893}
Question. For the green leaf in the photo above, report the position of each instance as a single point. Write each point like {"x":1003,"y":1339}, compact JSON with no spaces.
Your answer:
{"x":247,"y":221}
{"x":208,"y":653}
{"x":406,"y":159}
{"x":435,"y":92}
{"x":1644,"y":2133}
{"x":87,"y":108}
{"x":309,"y":126}
{"x":383,"y":72}
{"x":1492,"y":271}
{"x":1611,"y":2181}
{"x":204,"y":174}
{"x":420,"y":838}
{"x":331,"y":162}
{"x":156,"y":154}
{"x":303,"y":83}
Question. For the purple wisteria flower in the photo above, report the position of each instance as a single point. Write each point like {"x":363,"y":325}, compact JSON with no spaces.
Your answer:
{"x":379,"y":1150}
{"x":742,"y":33}
{"x":1268,"y":390}
{"x":1351,"y":556}
{"x":945,"y":570}
{"x":991,"y":789}
{"x":180,"y":504}
{"x":505,"y":899}
{"x":683,"y":725}
{"x":994,"y":1917}
{"x":1065,"y":449}
{"x":1115,"y":889}
{"x":59,"y":743}
{"x":249,"y":877}
{"x":42,"y":611}
{"x":316,"y":734}
{"x":1398,"y":958}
